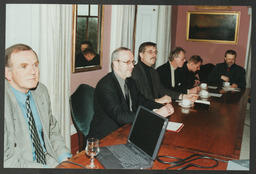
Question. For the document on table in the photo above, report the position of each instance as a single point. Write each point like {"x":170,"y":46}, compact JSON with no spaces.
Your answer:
{"x":212,"y":87}
{"x":215,"y":94}
{"x":174,"y":126}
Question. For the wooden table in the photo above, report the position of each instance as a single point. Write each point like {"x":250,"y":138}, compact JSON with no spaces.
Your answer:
{"x":215,"y":132}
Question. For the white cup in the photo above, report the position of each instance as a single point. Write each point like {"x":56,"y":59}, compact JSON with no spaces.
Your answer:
{"x":226,"y":84}
{"x":204,"y":93}
{"x":186,"y":102}
{"x":203,"y":86}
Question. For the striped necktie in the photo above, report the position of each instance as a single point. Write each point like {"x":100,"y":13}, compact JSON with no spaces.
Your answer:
{"x":127,"y":95}
{"x":39,"y":153}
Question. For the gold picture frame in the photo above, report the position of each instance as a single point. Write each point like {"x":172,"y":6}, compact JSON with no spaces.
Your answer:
{"x":218,"y":27}
{"x":92,"y":38}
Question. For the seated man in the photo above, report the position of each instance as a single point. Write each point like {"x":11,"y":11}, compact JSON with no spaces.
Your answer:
{"x":147,"y":78}
{"x":228,"y":72}
{"x":116,"y":97}
{"x":168,"y":71}
{"x":188,"y":77}
{"x":90,"y":58}
{"x":32,"y":138}
{"x":86,"y":56}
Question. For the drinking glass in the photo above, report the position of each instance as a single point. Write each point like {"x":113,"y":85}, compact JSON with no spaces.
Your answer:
{"x":92,"y":149}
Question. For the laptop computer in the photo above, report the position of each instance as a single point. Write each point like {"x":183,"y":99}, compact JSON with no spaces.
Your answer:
{"x":143,"y":143}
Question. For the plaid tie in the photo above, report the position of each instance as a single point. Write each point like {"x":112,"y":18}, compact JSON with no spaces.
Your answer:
{"x":40,"y":156}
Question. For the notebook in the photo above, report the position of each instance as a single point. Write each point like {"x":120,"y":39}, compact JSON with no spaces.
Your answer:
{"x":143,"y":143}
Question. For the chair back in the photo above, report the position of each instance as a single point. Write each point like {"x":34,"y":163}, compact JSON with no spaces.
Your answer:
{"x":81,"y":105}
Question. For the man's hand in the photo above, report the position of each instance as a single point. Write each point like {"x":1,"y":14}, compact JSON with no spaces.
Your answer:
{"x":191,"y":97}
{"x":194,"y":90}
{"x":197,"y":82}
{"x":165,"y":111}
{"x":234,"y":85}
{"x":225,"y":78}
{"x":164,"y":100}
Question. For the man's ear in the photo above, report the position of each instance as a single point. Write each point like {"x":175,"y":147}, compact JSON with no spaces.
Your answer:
{"x":8,"y":74}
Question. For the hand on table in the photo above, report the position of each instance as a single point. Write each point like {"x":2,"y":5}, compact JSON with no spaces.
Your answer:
{"x":164,"y":100}
{"x":165,"y":111}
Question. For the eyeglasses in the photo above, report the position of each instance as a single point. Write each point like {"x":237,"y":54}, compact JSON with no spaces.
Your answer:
{"x":128,"y":62}
{"x":151,"y":52}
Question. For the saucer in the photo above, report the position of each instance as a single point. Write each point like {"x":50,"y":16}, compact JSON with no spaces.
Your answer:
{"x":204,"y":96}
{"x":185,"y":106}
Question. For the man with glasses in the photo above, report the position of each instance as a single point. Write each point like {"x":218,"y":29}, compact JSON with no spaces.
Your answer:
{"x":116,"y":97}
{"x":147,"y":78}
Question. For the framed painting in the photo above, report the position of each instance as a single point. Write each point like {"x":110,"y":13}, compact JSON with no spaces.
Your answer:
{"x":221,"y":27}
{"x":86,"y":44}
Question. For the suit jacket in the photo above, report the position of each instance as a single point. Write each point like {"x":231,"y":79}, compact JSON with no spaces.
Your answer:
{"x":165,"y":75}
{"x":236,"y":75}
{"x":17,"y":146}
{"x":110,"y":107}
{"x":142,"y":82}
{"x":187,"y":78}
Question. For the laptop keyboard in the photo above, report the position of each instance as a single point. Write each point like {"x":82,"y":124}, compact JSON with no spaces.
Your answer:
{"x":127,"y":157}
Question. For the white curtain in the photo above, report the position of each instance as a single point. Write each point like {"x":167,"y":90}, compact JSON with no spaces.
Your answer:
{"x":122,"y":25}
{"x":248,"y":54}
{"x":48,"y":30}
{"x":55,"y":51}
{"x":163,"y":34}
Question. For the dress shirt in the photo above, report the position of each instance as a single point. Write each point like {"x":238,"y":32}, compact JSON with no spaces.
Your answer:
{"x":122,"y":83}
{"x":21,"y":99}
{"x":173,"y":75}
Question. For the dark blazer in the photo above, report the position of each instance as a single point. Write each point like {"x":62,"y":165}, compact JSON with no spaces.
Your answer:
{"x":142,"y":82}
{"x":187,"y":78}
{"x":111,"y":110}
{"x":236,"y":75}
{"x":165,"y":75}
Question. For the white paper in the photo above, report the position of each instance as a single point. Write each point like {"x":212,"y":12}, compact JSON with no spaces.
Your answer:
{"x":212,"y":87}
{"x":203,"y":102}
{"x":215,"y":94}
{"x":173,"y":126}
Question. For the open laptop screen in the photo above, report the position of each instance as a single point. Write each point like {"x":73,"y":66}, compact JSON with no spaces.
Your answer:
{"x":147,"y":131}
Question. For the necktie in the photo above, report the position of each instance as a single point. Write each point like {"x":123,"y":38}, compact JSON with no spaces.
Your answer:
{"x":39,"y":153}
{"x":127,"y":95}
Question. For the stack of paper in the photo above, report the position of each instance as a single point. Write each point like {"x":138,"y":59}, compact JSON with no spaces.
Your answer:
{"x":174,"y":126}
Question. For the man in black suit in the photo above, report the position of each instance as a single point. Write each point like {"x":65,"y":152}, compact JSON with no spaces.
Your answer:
{"x":228,"y":71}
{"x":147,"y":78}
{"x":188,"y":75}
{"x":168,"y":71}
{"x":116,"y":97}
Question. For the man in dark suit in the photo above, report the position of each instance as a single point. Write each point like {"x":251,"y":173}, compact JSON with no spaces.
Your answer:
{"x":228,"y":72}
{"x":116,"y":97}
{"x":168,"y":71}
{"x":147,"y":78}
{"x":188,"y":75}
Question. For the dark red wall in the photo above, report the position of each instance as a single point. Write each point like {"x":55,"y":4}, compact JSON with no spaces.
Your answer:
{"x":210,"y":52}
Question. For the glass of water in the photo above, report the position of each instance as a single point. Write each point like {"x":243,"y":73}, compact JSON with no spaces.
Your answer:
{"x":92,"y":149}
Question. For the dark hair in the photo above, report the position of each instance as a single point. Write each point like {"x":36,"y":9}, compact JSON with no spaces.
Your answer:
{"x":87,"y":42}
{"x":15,"y":49}
{"x":175,"y":53}
{"x":143,"y":46}
{"x":89,"y":50}
{"x":195,"y":59}
{"x":230,"y":52}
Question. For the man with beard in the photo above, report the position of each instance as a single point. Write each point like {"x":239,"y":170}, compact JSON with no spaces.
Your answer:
{"x":147,"y":78}
{"x":228,"y":71}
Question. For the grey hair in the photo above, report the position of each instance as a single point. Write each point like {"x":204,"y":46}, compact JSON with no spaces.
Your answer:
{"x":116,"y":54}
